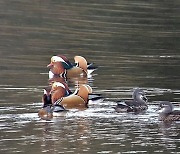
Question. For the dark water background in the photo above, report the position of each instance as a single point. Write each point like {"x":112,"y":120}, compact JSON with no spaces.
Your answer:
{"x":135,"y":43}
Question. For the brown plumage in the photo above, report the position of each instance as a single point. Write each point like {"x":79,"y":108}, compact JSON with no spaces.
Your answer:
{"x":57,"y":68}
{"x":78,"y":99}
{"x":45,"y":113}
{"x":58,"y":91}
{"x":81,"y":62}
{"x":167,"y":112}
{"x":79,"y":68}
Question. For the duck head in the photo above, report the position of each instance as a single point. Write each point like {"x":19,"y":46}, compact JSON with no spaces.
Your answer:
{"x":139,"y":96}
{"x":58,"y":91}
{"x":57,"y":69}
{"x":61,"y":85}
{"x":61,"y":58}
{"x":45,"y":113}
{"x":165,"y":107}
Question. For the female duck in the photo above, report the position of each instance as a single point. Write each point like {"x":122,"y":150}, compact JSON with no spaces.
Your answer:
{"x":137,"y":104}
{"x":167,"y":112}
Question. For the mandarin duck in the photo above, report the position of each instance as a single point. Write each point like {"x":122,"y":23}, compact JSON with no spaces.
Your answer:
{"x":79,"y":68}
{"x":78,"y":99}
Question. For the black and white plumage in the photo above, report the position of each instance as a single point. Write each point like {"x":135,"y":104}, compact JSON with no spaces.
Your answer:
{"x":167,"y":112}
{"x":138,"y":103}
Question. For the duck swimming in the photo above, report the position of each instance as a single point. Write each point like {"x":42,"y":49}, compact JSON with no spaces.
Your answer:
{"x":137,"y":104}
{"x":167,"y":112}
{"x":79,"y":68}
{"x":78,"y":99}
{"x":59,"y":98}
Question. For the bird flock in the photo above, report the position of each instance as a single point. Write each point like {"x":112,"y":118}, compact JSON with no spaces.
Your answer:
{"x":59,"y":98}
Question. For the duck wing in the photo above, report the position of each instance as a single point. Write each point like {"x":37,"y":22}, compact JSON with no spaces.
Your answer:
{"x":124,"y":106}
{"x":58,"y":108}
{"x":174,"y":116}
{"x":130,"y":106}
{"x":94,"y":96}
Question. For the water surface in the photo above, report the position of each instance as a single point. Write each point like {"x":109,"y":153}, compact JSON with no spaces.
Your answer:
{"x":134,"y":43}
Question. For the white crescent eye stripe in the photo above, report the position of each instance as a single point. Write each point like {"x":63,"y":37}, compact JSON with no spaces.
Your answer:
{"x":58,"y":59}
{"x":58,"y":84}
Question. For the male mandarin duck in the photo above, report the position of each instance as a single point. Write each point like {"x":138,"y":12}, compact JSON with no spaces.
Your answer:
{"x":167,"y":112}
{"x":59,"y":74}
{"x":78,"y":99}
{"x":137,"y":104}
{"x":59,"y":98}
{"x":79,"y":68}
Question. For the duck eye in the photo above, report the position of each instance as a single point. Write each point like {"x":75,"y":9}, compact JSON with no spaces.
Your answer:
{"x":55,"y":85}
{"x":164,"y":105}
